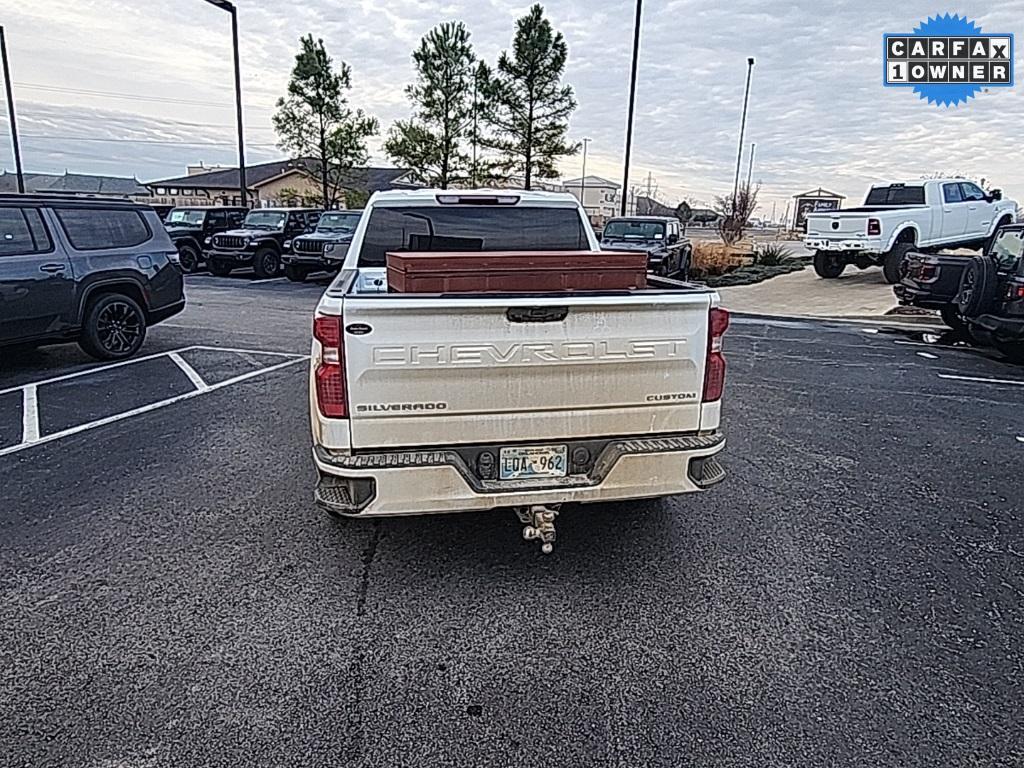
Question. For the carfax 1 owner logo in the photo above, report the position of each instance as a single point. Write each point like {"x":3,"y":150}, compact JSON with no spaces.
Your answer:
{"x":948,"y":60}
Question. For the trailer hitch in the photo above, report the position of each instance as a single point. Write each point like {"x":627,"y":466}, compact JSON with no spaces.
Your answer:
{"x":539,"y":523}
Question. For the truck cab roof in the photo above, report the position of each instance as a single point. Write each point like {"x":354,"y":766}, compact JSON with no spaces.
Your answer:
{"x":471,"y":197}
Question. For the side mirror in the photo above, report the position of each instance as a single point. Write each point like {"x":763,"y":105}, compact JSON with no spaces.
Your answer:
{"x":673,"y":239}
{"x":996,"y":194}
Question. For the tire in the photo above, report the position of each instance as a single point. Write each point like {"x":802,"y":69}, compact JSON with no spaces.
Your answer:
{"x":1012,"y":350}
{"x":114,"y":327}
{"x":266,"y":263}
{"x":951,"y":317}
{"x":892,"y":262}
{"x":828,"y":265}
{"x":295,"y":273}
{"x":219,"y":268}
{"x":977,"y":287}
{"x":189,"y":258}
{"x":987,"y":245}
{"x":684,"y":267}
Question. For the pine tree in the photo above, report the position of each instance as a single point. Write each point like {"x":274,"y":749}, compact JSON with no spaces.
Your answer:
{"x":314,"y":119}
{"x":431,"y":144}
{"x":528,"y":107}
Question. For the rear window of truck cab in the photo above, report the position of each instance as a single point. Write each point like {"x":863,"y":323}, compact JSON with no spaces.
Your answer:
{"x":896,"y":194}
{"x":470,"y":228}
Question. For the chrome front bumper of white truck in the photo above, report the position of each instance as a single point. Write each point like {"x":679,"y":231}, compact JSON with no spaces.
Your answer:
{"x":869,"y":245}
{"x":444,"y":480}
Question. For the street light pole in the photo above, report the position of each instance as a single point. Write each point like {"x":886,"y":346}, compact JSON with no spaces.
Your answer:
{"x":10,"y":113}
{"x":243,"y":188}
{"x":750,"y":168}
{"x":632,"y":104}
{"x":583,"y":178}
{"x":743,"y":126}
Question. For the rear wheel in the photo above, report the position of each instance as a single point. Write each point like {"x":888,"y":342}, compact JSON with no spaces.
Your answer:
{"x":893,"y":261}
{"x":1013,"y":350}
{"x":188,"y":258}
{"x":295,"y":273}
{"x":977,"y":287}
{"x":114,"y":328}
{"x":220,"y":268}
{"x":951,"y":317}
{"x":828,"y":265}
{"x":266,"y":263}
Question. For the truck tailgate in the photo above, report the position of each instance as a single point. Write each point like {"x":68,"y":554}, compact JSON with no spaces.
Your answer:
{"x":840,"y":225}
{"x":450,"y":370}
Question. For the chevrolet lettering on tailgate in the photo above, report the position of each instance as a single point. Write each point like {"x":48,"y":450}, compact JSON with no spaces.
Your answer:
{"x":525,"y":354}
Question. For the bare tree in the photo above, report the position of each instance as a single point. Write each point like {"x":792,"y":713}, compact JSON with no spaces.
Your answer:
{"x":736,"y":212}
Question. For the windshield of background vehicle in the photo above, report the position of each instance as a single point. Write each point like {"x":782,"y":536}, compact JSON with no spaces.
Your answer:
{"x":344,"y":223}
{"x":185,"y":216}
{"x":470,"y":228}
{"x":634,"y":230}
{"x":895,"y":196}
{"x":265,"y":220}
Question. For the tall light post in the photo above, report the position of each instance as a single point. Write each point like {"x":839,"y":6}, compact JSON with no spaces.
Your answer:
{"x":10,"y":113}
{"x":632,"y":104}
{"x":583,"y":178}
{"x":743,"y":127}
{"x":750,"y":168}
{"x":243,"y":188}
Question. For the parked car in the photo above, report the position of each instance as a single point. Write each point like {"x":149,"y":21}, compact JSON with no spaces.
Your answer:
{"x":98,"y":272}
{"x":937,"y":280}
{"x":192,"y":228}
{"x":259,"y":242}
{"x":898,"y":218}
{"x":991,"y":295}
{"x":669,"y":253}
{"x":429,"y":403}
{"x":323,"y":249}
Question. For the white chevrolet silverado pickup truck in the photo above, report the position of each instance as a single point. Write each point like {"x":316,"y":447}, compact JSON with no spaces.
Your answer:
{"x":907,"y":216}
{"x":431,"y":403}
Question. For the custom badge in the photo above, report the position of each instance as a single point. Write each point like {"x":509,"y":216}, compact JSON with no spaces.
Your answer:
{"x":948,"y":60}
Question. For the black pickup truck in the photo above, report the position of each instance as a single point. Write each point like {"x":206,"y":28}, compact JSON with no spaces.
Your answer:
{"x":191,"y":229}
{"x":259,"y":242}
{"x":323,"y":249}
{"x":668,"y":252}
{"x":971,"y":291}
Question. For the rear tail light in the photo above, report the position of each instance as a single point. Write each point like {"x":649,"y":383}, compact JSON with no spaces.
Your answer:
{"x":1015,"y":291}
{"x":714,"y":367}
{"x":331,"y":395}
{"x":874,"y":227}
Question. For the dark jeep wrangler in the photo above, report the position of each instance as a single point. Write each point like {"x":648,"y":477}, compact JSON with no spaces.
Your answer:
{"x":669,"y":252}
{"x":260,"y":241}
{"x":322,"y":250}
{"x":191,"y":229}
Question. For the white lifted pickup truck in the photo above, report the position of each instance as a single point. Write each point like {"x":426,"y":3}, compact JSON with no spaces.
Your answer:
{"x":906,"y":216}
{"x":430,"y":403}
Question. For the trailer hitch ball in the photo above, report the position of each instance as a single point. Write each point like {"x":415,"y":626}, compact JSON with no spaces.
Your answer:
{"x":539,"y":523}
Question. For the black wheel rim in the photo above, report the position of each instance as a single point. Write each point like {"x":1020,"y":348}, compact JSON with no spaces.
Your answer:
{"x":270,"y":263}
{"x":119,"y":327}
{"x":188,"y":259}
{"x":967,"y":289}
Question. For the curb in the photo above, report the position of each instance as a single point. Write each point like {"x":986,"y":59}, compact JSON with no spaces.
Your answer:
{"x":891,"y":321}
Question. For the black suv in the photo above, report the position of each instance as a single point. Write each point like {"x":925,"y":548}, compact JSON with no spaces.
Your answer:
{"x":323,"y":249}
{"x":960,"y":287}
{"x":93,"y":271}
{"x":191,"y":229}
{"x":991,"y":297}
{"x":260,"y":241}
{"x":669,"y":252}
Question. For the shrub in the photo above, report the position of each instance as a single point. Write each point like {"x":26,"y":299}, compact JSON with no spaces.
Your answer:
{"x":772,"y":255}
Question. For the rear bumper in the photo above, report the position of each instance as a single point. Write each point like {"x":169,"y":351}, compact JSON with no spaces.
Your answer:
{"x":439,"y":481}
{"x":818,"y":243}
{"x":162,"y":313}
{"x":1011,"y":329}
{"x":919,"y":297}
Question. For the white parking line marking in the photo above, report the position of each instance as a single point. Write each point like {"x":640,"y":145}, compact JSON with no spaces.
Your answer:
{"x":248,"y":352}
{"x":1012,"y":382}
{"x":29,"y":415}
{"x":188,"y":370}
{"x":146,"y":408}
{"x":927,"y":355}
{"x":869,"y":330}
{"x":1020,"y":438}
{"x":265,"y":280}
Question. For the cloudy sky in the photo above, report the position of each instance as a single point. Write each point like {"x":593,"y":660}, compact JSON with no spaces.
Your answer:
{"x":141,"y":88}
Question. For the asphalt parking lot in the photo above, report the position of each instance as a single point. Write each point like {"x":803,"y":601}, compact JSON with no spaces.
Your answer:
{"x":169,"y":595}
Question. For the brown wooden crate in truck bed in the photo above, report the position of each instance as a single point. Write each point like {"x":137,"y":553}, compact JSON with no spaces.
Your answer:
{"x":516,"y":271}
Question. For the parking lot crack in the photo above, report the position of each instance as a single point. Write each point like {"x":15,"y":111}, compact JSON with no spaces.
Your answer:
{"x":364,"y":580}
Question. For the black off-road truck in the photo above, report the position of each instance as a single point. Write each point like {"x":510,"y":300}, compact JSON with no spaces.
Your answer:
{"x":259,"y":242}
{"x":191,"y":229}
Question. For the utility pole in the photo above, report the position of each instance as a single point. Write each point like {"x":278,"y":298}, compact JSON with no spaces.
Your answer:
{"x":583,"y":178}
{"x":743,"y":127}
{"x":648,"y":185}
{"x":10,"y":113}
{"x":476,"y":105}
{"x":773,"y":211}
{"x":750,"y":168}
{"x":632,"y":103}
{"x":243,"y":188}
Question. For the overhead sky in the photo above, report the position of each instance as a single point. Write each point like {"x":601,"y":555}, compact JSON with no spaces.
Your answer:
{"x":144,"y":88}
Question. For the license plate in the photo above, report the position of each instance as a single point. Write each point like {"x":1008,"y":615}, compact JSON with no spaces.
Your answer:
{"x":524,"y":463}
